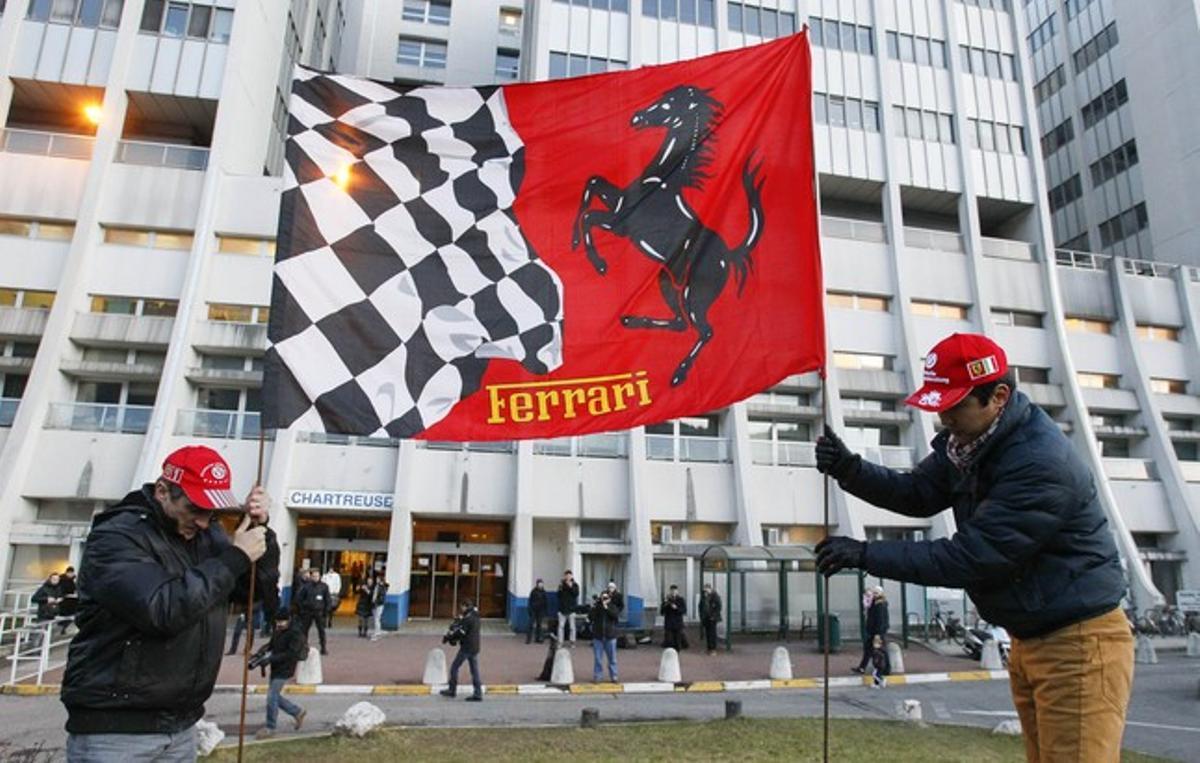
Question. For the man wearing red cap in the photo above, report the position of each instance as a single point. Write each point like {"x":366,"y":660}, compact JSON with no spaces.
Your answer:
{"x":1032,"y":548}
{"x":157,"y":577}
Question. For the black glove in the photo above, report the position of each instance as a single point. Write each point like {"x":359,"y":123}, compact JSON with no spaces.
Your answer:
{"x":834,"y":458}
{"x":837,"y":553}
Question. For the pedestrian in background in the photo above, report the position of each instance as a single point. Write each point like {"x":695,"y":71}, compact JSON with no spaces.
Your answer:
{"x":568,"y":601}
{"x":537,"y":611}
{"x":47,"y":597}
{"x":468,"y":651}
{"x":313,"y":607}
{"x":333,"y":581}
{"x":287,"y":647}
{"x":364,"y":607}
{"x":378,"y":602}
{"x":710,"y":615}
{"x":877,"y":625}
{"x":673,"y":609}
{"x":603,"y":619}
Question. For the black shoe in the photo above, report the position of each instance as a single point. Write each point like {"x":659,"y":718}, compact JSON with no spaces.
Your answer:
{"x":475,"y":698}
{"x":448,"y":693}
{"x":857,"y":669}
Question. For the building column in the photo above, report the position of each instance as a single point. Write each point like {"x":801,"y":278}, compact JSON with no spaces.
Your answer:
{"x":400,"y":540}
{"x":10,"y":29}
{"x":283,"y":520}
{"x":749,"y":530}
{"x":520,"y":549}
{"x":641,"y":596}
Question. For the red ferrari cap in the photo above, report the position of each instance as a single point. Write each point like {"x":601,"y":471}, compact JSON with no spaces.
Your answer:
{"x":954,"y":367}
{"x":203,"y":475}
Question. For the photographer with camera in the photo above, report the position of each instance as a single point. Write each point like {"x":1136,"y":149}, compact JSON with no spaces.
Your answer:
{"x":286,"y":648}
{"x":673,"y":609}
{"x":603,"y":618}
{"x":464,"y":633}
{"x":155,"y":583}
{"x":568,"y":600}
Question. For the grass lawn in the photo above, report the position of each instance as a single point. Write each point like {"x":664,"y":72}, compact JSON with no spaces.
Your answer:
{"x":739,"y":740}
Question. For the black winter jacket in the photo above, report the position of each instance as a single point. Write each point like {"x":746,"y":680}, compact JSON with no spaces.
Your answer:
{"x":1033,"y":547}
{"x":287,"y":648}
{"x":673,"y":609}
{"x":364,"y":607}
{"x":537,"y":601}
{"x":877,"y":619}
{"x":151,"y":619}
{"x":470,"y":639}
{"x":604,"y":620}
{"x":313,"y":599}
{"x":42,"y":597}
{"x":568,"y":597}
{"x":710,"y":608}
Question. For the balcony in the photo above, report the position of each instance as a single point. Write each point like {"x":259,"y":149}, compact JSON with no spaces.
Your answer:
{"x":1191,"y":470}
{"x":891,"y":456}
{"x":924,"y":238}
{"x":783,"y":453}
{"x":493,"y":446}
{"x":1081,"y":260}
{"x":22,"y":322}
{"x":606,"y":445}
{"x":1006,"y":249}
{"x":225,"y":425}
{"x":221,"y":336}
{"x":855,"y":230}
{"x":9,"y":365}
{"x":116,"y":330}
{"x":328,"y":438}
{"x":665,"y":447}
{"x":1130,"y":469}
{"x":104,"y":371}
{"x":148,"y":154}
{"x":225,"y":377}
{"x":39,"y":143}
{"x":99,"y":417}
{"x":779,"y":410}
{"x":8,"y":410}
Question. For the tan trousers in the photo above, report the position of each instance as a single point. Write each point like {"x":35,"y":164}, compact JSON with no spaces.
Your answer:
{"x":1071,"y":688}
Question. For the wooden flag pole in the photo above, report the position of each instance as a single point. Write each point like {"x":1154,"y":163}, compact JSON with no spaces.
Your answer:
{"x":825,"y":598}
{"x":250,"y":614}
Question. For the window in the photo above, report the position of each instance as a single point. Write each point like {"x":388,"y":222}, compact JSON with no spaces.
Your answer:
{"x":1031,"y":375}
{"x":36,"y":229}
{"x":853,"y":301}
{"x":1176,"y":424}
{"x":1080,"y":243}
{"x":427,"y":11}
{"x":245,"y":245}
{"x":1158,"y":333}
{"x":1103,"y":105}
{"x":226,"y":313}
{"x":991,"y":5}
{"x":426,"y":54}
{"x":148,"y":238}
{"x":1050,"y":84}
{"x":573,"y":65}
{"x":152,"y":14}
{"x":510,"y":21}
{"x":198,"y":24}
{"x":939,"y":310}
{"x":1058,"y":137}
{"x":1075,"y":6}
{"x":1089,"y":325}
{"x":222,"y":25}
{"x":834,"y":35}
{"x":1114,"y":163}
{"x":134,"y":306}
{"x":1098,"y":381}
{"x":1017,"y":318}
{"x":924,"y":125}
{"x":1094,"y":48}
{"x":868,"y":404}
{"x":862,"y":361}
{"x":1123,"y":226}
{"x":700,"y":12}
{"x":839,"y":111}
{"x":176,"y":21}
{"x":989,"y":63}
{"x":993,"y":136}
{"x":508,"y":64}
{"x":26,"y":298}
{"x":1168,"y":386}
{"x":1066,"y":192}
{"x":1042,"y":35}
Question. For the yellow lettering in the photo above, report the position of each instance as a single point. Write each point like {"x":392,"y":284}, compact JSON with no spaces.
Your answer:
{"x":570,"y":397}
{"x":619,"y":393}
{"x":643,"y":386}
{"x":545,"y":399}
{"x":520,"y":405}
{"x":598,"y":403}
{"x":495,"y":405}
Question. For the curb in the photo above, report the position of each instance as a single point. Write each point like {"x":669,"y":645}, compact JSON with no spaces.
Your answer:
{"x":647,"y":687}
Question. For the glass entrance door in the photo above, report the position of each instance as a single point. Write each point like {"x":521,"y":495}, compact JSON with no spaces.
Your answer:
{"x":441,"y":582}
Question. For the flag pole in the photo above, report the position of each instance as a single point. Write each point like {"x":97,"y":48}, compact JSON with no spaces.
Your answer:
{"x":825,"y":595}
{"x":250,"y":614}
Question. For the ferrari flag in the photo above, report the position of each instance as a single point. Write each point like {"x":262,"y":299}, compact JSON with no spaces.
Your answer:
{"x":545,"y":259}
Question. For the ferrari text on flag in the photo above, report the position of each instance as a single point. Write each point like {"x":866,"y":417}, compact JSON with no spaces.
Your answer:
{"x":545,"y":259}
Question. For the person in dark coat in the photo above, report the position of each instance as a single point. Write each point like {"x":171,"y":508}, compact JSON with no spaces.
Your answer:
{"x":673,"y":609}
{"x":710,"y":615}
{"x":568,"y":601}
{"x":876,"y":625}
{"x":537,"y":611}
{"x":313,"y":607}
{"x":47,"y":597}
{"x":603,"y":618}
{"x":286,"y":649}
{"x":1033,"y":547}
{"x":363,"y":607}
{"x":378,"y":602}
{"x":155,"y":584}
{"x":70,"y":595}
{"x":468,"y":651}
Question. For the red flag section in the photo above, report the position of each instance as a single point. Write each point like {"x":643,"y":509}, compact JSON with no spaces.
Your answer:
{"x":676,"y":204}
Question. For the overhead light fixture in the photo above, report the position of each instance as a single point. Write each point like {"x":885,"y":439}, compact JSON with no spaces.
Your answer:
{"x":93,"y":112}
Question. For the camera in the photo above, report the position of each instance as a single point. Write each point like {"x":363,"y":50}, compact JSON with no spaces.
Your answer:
{"x":261,"y":658}
{"x":455,"y":633}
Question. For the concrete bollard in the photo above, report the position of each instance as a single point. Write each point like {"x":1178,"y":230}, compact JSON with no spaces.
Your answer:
{"x":308,"y":672}
{"x":781,"y":664}
{"x":896,"y":658}
{"x":733,"y":709}
{"x":668,"y":667}
{"x":1193,"y":646}
{"x":435,"y":668}
{"x":563,"y":673}
{"x":912,"y":710}
{"x":1145,"y":654}
{"x":990,"y":660}
{"x":589,"y":718}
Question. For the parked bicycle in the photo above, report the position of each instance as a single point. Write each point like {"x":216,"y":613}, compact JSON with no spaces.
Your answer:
{"x":945,"y":627}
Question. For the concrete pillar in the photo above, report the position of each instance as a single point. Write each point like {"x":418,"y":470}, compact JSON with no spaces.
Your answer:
{"x":283,"y":520}
{"x":10,"y":28}
{"x":400,"y":542}
{"x":749,"y":530}
{"x":641,"y":596}
{"x":520,"y":553}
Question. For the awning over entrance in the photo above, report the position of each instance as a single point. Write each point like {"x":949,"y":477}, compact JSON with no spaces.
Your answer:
{"x":758,"y":559}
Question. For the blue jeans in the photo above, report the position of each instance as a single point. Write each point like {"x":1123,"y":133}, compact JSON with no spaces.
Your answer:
{"x":132,"y":748}
{"x":276,"y":700}
{"x":473,"y":661}
{"x":606,"y":648}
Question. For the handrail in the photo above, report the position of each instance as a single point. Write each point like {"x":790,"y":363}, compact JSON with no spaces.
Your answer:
{"x":46,"y":143}
{"x":38,"y":652}
{"x":229,"y":425}
{"x":99,"y":417}
{"x":152,"y":154}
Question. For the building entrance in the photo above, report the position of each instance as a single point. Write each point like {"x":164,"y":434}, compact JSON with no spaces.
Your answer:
{"x":453,"y":561}
{"x":354,"y":546}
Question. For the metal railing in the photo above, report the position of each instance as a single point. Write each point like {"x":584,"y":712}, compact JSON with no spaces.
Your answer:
{"x":229,"y":425}
{"x":34,"y":648}
{"x":783,"y":453}
{"x":665,"y":447}
{"x":857,"y":230}
{"x":99,"y":417}
{"x":8,"y":410}
{"x":39,"y":143}
{"x":1070,"y":258}
{"x":924,"y":238}
{"x":1008,"y":249}
{"x":891,"y":456}
{"x":329,"y":438}
{"x":1147,"y":268}
{"x":1130,"y":469}
{"x":496,"y":446}
{"x":162,"y":155}
{"x":605,"y":445}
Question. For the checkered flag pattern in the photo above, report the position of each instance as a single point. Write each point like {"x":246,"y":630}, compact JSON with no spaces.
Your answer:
{"x":401,"y":270}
